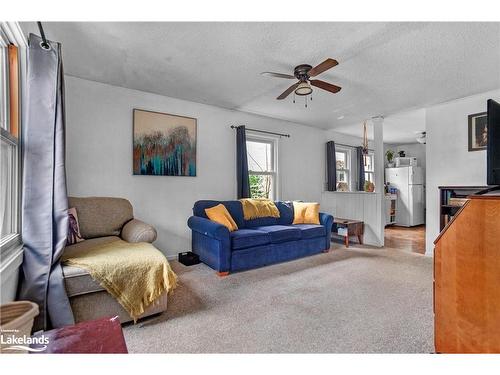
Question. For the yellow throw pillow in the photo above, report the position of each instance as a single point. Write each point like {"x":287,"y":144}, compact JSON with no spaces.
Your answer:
{"x":305,"y":213}
{"x":221,"y":215}
{"x":254,"y":208}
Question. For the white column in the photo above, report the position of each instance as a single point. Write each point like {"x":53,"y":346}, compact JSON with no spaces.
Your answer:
{"x":378,"y":142}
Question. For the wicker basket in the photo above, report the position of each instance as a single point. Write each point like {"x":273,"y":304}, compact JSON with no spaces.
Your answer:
{"x":16,"y":319}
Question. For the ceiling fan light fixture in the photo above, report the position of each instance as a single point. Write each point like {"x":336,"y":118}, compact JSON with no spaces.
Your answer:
{"x":303,"y":89}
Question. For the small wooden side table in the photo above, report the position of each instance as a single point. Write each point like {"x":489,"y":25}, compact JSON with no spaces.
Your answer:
{"x":94,"y":336}
{"x":348,"y":228}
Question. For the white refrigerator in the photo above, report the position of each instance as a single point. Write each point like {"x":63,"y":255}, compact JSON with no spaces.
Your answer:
{"x":410,"y":207}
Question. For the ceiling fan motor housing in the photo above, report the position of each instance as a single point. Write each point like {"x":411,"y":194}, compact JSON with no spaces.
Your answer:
{"x":300,"y":72}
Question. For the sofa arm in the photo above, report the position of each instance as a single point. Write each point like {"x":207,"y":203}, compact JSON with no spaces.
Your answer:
{"x":208,"y":228}
{"x":138,"y":231}
{"x":212,"y":242}
{"x":327,"y":221}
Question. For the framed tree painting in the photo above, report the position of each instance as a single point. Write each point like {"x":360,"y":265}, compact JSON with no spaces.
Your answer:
{"x":164,"y":144}
{"x":478,"y":131}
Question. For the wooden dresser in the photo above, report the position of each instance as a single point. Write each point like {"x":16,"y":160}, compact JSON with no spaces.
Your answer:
{"x":467,"y":279}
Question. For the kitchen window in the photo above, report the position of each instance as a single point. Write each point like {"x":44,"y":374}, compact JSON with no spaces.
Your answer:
{"x":369,"y":168}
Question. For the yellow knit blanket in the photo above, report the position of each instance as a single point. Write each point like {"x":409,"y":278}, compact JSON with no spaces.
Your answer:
{"x":135,"y":274}
{"x":255,"y":208}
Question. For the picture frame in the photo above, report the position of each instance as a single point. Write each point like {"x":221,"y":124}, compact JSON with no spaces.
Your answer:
{"x":163,"y":144}
{"x":478,"y":131}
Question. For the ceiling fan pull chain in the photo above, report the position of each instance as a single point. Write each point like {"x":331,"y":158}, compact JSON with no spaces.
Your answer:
{"x":294,"y":96}
{"x":305,"y":100}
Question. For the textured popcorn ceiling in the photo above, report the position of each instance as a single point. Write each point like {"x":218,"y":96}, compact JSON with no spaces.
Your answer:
{"x":384,"y":68}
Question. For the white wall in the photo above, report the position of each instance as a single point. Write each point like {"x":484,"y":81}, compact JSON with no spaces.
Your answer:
{"x":448,"y":160}
{"x":99,"y":156}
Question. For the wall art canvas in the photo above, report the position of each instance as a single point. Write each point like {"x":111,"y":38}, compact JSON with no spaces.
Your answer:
{"x":478,"y":131}
{"x":164,"y":144}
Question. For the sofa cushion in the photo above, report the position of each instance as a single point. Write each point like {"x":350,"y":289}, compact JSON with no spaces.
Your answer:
{"x":244,"y":238}
{"x":286,"y":212}
{"x":260,"y":222}
{"x":286,"y":217}
{"x":77,"y":280}
{"x":311,"y":230}
{"x":281,"y":233}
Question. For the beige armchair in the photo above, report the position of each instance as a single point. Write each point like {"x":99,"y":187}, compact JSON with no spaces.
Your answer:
{"x":101,"y":220}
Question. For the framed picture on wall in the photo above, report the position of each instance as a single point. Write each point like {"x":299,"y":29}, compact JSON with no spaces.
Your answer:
{"x":164,"y":144}
{"x":478,"y":132}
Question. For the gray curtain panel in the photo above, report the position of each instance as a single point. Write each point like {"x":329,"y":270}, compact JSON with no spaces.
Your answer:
{"x":331,"y":166}
{"x":361,"y":168}
{"x":45,"y":202}
{"x":242,"y":177}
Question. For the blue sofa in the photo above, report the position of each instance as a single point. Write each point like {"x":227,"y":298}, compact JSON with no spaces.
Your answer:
{"x":258,"y":242}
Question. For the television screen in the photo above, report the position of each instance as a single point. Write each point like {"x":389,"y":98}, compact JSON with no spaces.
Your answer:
{"x":493,"y":150}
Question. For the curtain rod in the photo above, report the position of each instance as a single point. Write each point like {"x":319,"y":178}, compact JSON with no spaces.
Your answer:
{"x":342,"y":144}
{"x":263,"y":131}
{"x":44,"y":43}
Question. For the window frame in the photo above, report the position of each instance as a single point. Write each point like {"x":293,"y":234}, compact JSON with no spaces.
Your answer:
{"x":348,"y":166}
{"x":12,"y":35}
{"x":371,"y":155}
{"x":273,"y":142}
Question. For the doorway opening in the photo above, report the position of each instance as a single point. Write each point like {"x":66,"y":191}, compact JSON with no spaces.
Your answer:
{"x":405,"y":197}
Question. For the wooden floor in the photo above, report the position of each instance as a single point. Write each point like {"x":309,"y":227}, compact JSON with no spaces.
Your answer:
{"x":406,"y":239}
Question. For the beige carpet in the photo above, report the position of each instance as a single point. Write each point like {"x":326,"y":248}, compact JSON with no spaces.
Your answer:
{"x":361,"y":300}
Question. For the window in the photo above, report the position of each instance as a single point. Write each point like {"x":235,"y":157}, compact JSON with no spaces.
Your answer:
{"x":11,"y":69}
{"x":369,"y":168}
{"x":343,"y":170}
{"x":262,"y":155}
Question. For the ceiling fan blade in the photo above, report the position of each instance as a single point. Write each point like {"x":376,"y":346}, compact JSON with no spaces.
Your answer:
{"x":278,"y":75}
{"x":325,"y":65}
{"x":288,"y":91}
{"x":325,"y":85}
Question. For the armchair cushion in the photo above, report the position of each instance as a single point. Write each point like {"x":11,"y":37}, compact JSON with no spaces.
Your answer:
{"x":77,"y":280}
{"x":138,"y":231}
{"x":101,"y":216}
